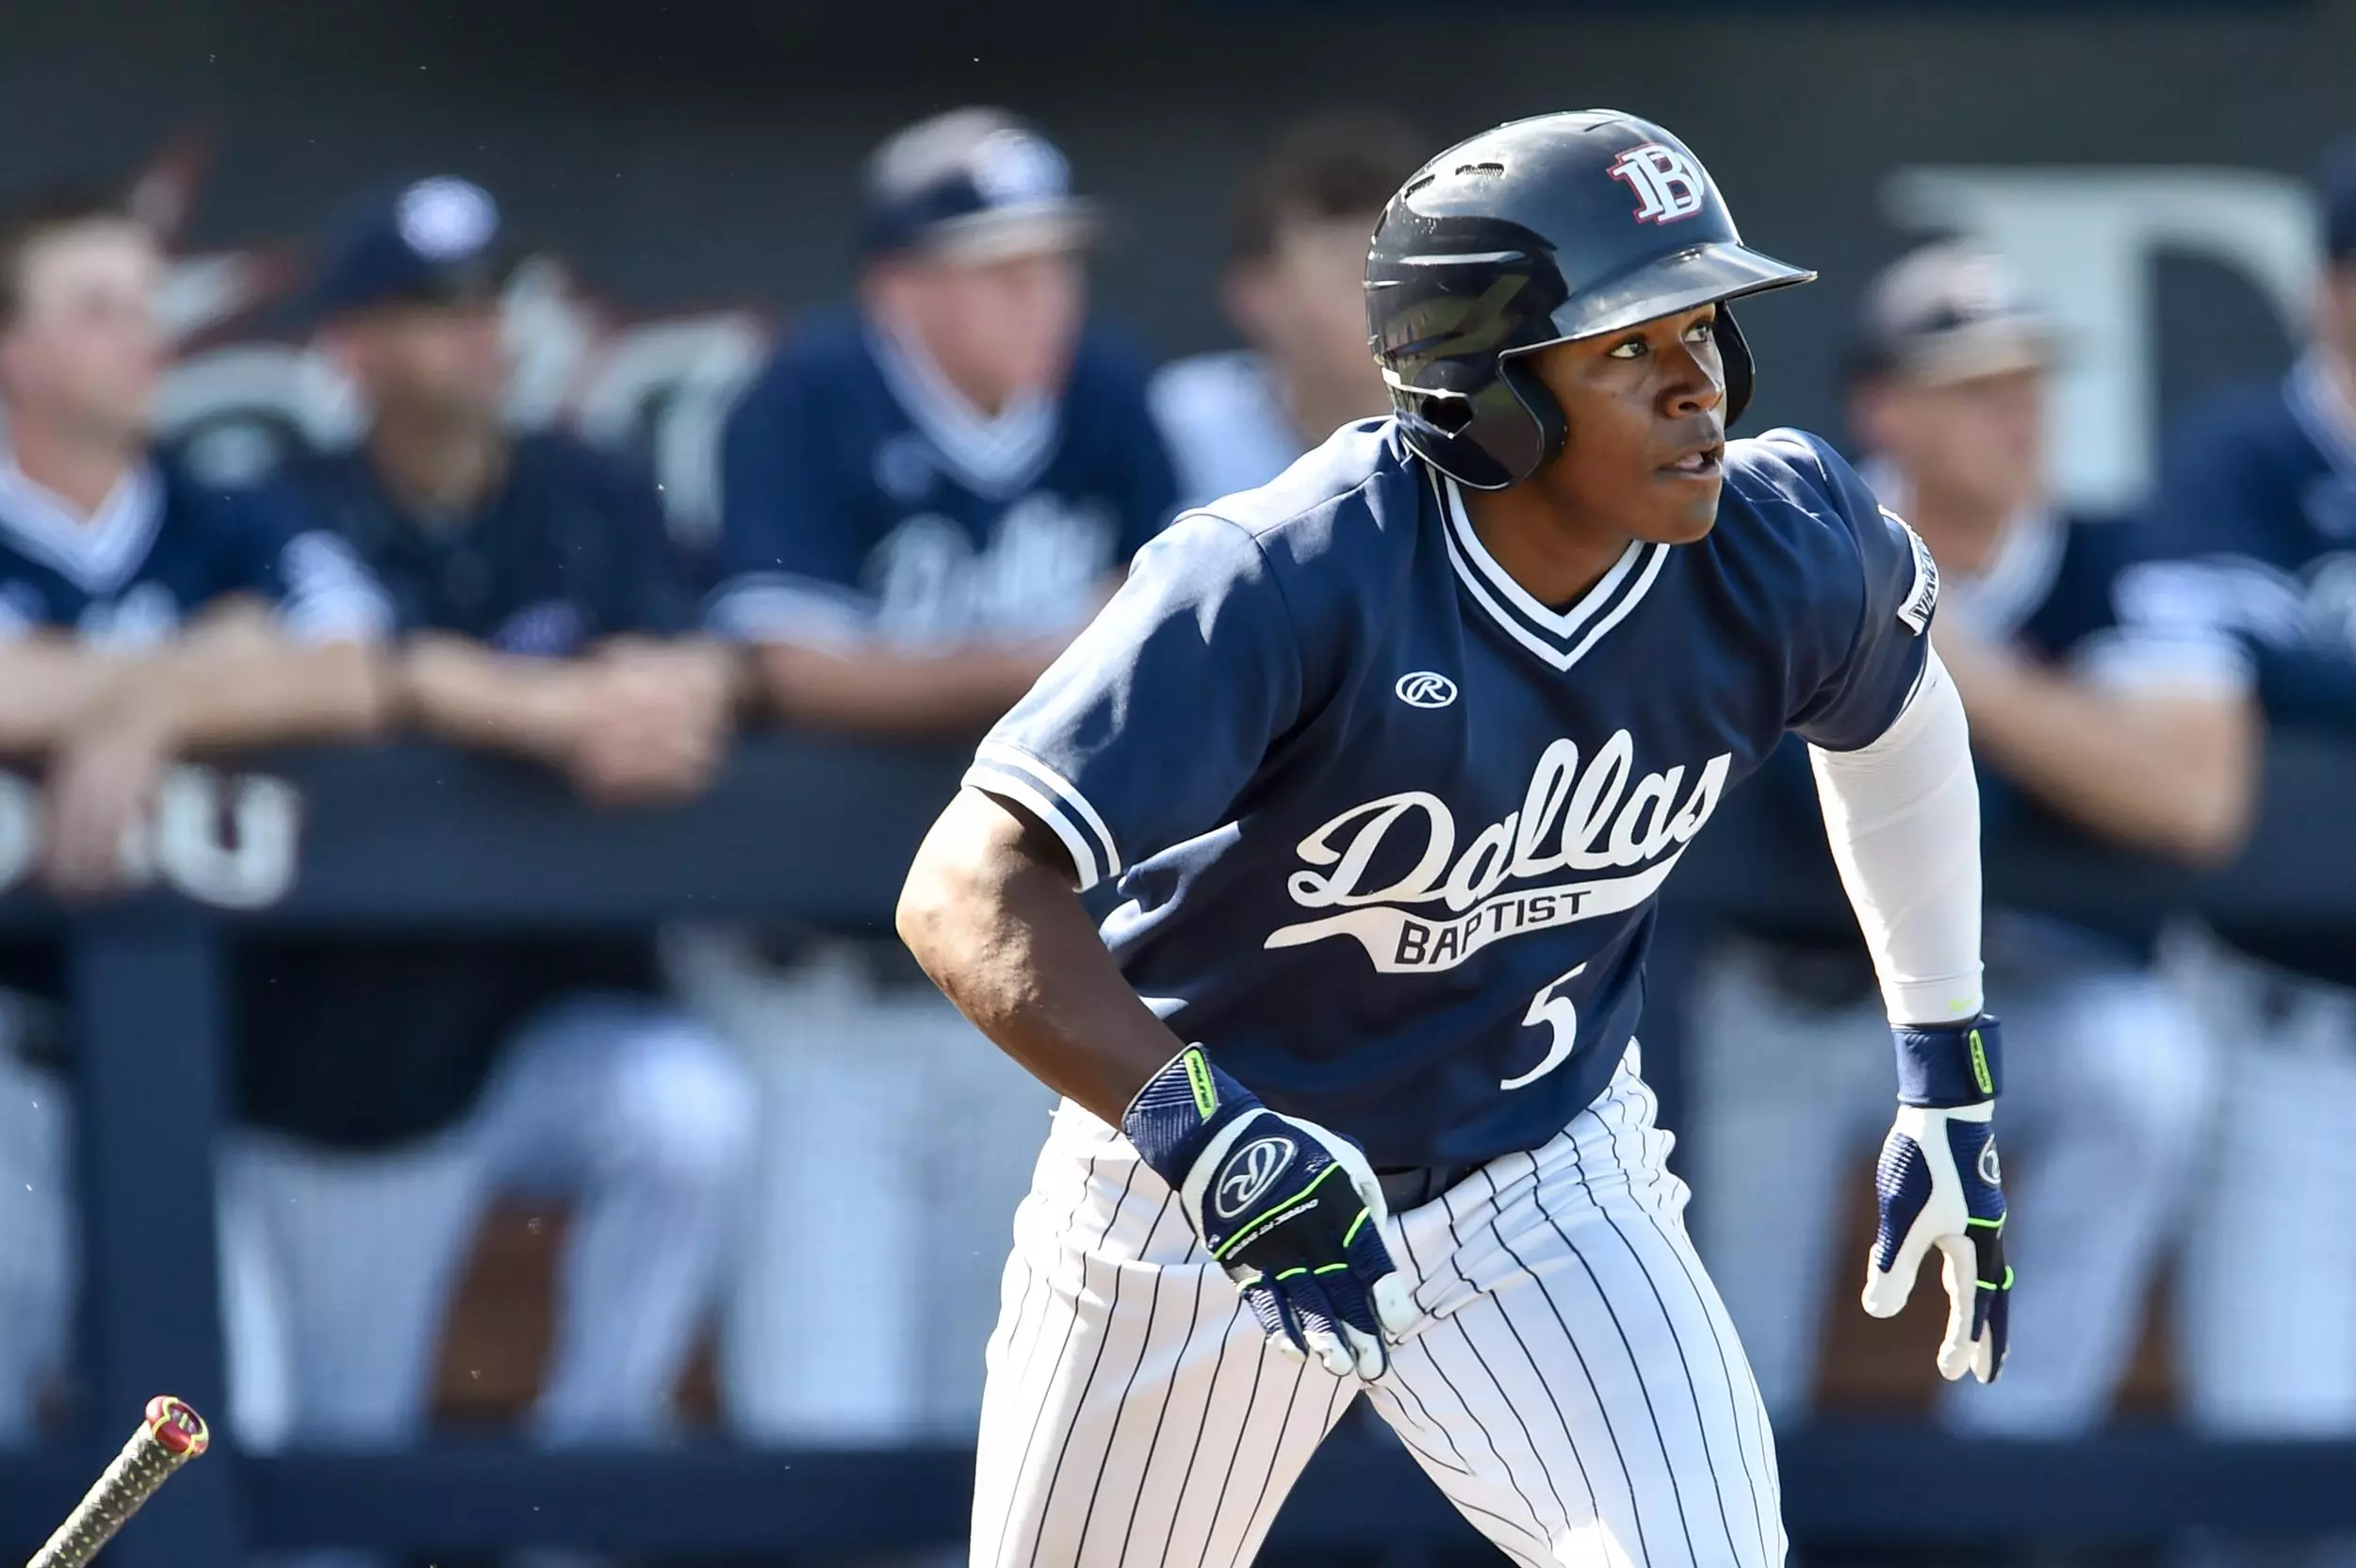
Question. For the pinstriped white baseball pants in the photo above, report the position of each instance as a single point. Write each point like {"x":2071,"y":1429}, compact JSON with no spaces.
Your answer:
{"x":1574,"y":1386}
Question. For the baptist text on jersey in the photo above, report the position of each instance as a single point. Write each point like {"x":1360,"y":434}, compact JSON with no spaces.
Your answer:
{"x":1387,"y":829}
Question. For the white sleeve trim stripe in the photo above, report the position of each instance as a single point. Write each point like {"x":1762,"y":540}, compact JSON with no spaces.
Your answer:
{"x":1000,"y":754}
{"x":994,"y":780}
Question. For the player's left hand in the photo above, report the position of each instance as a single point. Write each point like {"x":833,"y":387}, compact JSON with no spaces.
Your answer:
{"x":1940,"y":1186}
{"x":1292,"y":1212}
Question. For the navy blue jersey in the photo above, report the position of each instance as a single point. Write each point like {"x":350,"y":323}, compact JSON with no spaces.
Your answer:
{"x":572,"y":549}
{"x":1388,"y":829}
{"x":2256,"y":509}
{"x":161,"y":550}
{"x":863,"y":499}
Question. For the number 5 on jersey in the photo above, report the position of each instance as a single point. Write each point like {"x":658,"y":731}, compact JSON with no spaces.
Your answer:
{"x":1558,"y":1013}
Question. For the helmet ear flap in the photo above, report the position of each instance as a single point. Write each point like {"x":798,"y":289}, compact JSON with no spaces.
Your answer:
{"x":1444,"y":428}
{"x":1734,"y":357}
{"x":1535,"y":430}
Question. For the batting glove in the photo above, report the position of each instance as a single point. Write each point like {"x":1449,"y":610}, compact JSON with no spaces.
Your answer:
{"x":1291,"y":1211}
{"x":1940,"y":1186}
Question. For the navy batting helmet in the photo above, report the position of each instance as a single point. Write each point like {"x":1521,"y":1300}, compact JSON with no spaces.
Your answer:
{"x":1538,"y":231}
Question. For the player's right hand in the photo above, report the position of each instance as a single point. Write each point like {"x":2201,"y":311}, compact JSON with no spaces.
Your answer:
{"x":1291,"y":1211}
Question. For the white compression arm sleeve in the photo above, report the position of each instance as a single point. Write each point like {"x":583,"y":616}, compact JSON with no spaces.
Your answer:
{"x":1904,"y":818}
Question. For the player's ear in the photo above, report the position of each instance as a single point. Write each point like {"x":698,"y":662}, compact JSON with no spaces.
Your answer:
{"x":340,"y":345}
{"x":1869,"y":413}
{"x":1248,"y":291}
{"x":886,"y":285}
{"x":2335,"y":306}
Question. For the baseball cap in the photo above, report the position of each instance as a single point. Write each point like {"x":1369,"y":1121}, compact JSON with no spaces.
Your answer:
{"x":974,"y":184}
{"x":432,"y":241}
{"x":2335,"y":191}
{"x":1950,"y":312}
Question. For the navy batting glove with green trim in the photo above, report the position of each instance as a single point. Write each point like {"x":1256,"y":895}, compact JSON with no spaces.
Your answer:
{"x":1291,"y":1211}
{"x":1940,"y":1186}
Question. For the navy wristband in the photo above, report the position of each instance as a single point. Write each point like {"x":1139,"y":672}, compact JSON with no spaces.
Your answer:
{"x":1941,"y":1065}
{"x":1179,"y":1111}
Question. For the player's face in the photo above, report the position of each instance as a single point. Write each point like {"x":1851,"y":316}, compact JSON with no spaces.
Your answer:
{"x":1304,"y":305}
{"x":447,"y":364}
{"x":998,"y":329}
{"x":86,"y":348}
{"x":1645,"y":415}
{"x":1979,"y":442}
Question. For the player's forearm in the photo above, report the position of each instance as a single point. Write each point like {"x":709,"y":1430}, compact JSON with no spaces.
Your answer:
{"x":705,"y":662}
{"x":876,"y":692}
{"x":1903,"y":815}
{"x":238,"y":693}
{"x":990,"y":911}
{"x":2170,"y":774}
{"x":49,"y":686}
{"x":471,"y":695}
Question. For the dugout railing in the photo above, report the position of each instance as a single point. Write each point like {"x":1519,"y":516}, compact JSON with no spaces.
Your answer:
{"x":415,"y":835}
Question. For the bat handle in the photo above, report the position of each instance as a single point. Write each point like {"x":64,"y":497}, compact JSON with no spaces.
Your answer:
{"x":170,"y":1436}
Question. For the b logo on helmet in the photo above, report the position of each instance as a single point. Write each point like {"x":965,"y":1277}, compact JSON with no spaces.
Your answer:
{"x":1668,"y":184}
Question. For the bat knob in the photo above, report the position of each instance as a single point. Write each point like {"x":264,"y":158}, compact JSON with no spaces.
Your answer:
{"x":176,"y":1427}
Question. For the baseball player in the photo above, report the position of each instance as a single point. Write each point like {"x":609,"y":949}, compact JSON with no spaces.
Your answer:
{"x":922,"y":499}
{"x":2137,"y":738}
{"x":142,"y":612}
{"x":1294,"y":288}
{"x":1389,"y":759}
{"x":392,"y":1086}
{"x":2257,"y":500}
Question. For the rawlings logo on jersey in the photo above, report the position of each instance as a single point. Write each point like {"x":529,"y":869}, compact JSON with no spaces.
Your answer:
{"x":1668,"y":184}
{"x":1601,"y":817}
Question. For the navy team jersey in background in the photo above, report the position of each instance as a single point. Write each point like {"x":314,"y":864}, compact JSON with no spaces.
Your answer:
{"x":573,"y":548}
{"x":1387,"y":829}
{"x":2256,"y":507}
{"x":163,"y":549}
{"x":370,"y":1042}
{"x":862,"y":497}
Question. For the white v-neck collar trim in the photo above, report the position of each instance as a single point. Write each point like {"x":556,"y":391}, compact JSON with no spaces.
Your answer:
{"x":1562,"y":637}
{"x":995,"y":454}
{"x":97,"y":555}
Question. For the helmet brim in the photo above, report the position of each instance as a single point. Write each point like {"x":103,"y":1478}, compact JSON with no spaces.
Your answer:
{"x":1705,"y":274}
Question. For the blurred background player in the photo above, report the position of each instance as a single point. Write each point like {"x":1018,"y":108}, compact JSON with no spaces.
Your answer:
{"x":2257,"y":497}
{"x":142,"y":615}
{"x":923,"y":499}
{"x":1294,"y":289}
{"x":393,"y":1085}
{"x":2142,"y":740}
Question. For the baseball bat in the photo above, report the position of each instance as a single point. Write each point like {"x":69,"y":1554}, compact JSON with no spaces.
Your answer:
{"x":170,"y":1436}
